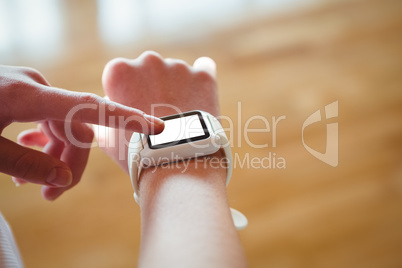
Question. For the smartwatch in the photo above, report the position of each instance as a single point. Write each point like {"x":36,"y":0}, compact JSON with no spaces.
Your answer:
{"x":187,"y":135}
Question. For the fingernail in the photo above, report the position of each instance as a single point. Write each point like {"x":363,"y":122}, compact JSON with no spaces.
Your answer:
{"x":60,"y":177}
{"x":153,"y":120}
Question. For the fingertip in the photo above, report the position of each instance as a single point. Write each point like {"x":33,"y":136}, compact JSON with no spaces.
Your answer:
{"x":143,"y":123}
{"x":156,"y":125}
{"x":157,"y":122}
{"x":156,"y":129}
{"x":59,"y":177}
{"x":21,"y":138}
{"x":32,"y":137}
{"x":50,"y":193}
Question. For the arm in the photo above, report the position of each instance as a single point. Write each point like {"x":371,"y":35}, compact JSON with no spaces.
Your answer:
{"x":185,"y":218}
{"x":185,"y":214}
{"x":26,"y":96}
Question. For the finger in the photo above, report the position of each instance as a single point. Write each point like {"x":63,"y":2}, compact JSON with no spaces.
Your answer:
{"x":205,"y":64}
{"x":63,"y":105}
{"x":149,"y":57}
{"x":55,"y":146}
{"x":32,"y":166}
{"x":32,"y":137}
{"x":104,"y":136}
{"x":180,"y":67}
{"x":43,"y":137}
{"x":51,"y":193}
{"x":75,"y":157}
{"x":171,"y":61}
{"x":18,"y":181}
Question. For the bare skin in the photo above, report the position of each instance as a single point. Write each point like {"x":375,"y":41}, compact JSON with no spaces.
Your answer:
{"x":26,"y":96}
{"x":185,"y":213}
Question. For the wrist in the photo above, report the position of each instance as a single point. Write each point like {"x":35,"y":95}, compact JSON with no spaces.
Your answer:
{"x":187,"y":209}
{"x":207,"y":172}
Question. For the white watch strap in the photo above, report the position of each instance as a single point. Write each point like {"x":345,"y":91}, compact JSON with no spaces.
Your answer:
{"x":135,"y":164}
{"x":240,"y":221}
{"x":224,"y":142}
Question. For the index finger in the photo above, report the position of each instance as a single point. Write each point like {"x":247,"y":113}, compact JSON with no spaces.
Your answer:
{"x":63,"y":105}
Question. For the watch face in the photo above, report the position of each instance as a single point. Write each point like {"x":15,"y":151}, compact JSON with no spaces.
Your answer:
{"x":179,"y":129}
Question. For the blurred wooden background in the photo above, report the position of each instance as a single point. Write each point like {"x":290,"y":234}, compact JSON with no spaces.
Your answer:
{"x":287,"y":59}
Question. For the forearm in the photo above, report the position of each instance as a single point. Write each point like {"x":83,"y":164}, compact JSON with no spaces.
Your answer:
{"x":186,"y":220}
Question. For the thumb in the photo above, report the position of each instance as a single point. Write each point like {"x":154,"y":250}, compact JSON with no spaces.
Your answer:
{"x":33,"y":166}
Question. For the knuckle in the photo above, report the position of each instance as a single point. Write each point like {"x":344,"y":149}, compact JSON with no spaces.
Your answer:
{"x":180,"y":66}
{"x":90,"y":98}
{"x":16,"y":87}
{"x":151,"y":58}
{"x":117,"y":72}
{"x":26,"y":165}
{"x":34,"y":75}
{"x":15,"y":94}
{"x":118,"y":65}
{"x":29,"y":71}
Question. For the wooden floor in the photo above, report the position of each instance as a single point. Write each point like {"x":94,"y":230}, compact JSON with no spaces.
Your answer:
{"x":291,"y":64}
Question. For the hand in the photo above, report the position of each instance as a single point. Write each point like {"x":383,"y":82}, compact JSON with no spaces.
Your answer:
{"x":191,"y":203}
{"x":25,"y":96}
{"x":159,"y":86}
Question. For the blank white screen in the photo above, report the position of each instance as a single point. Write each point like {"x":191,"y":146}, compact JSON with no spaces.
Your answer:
{"x":178,"y":129}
